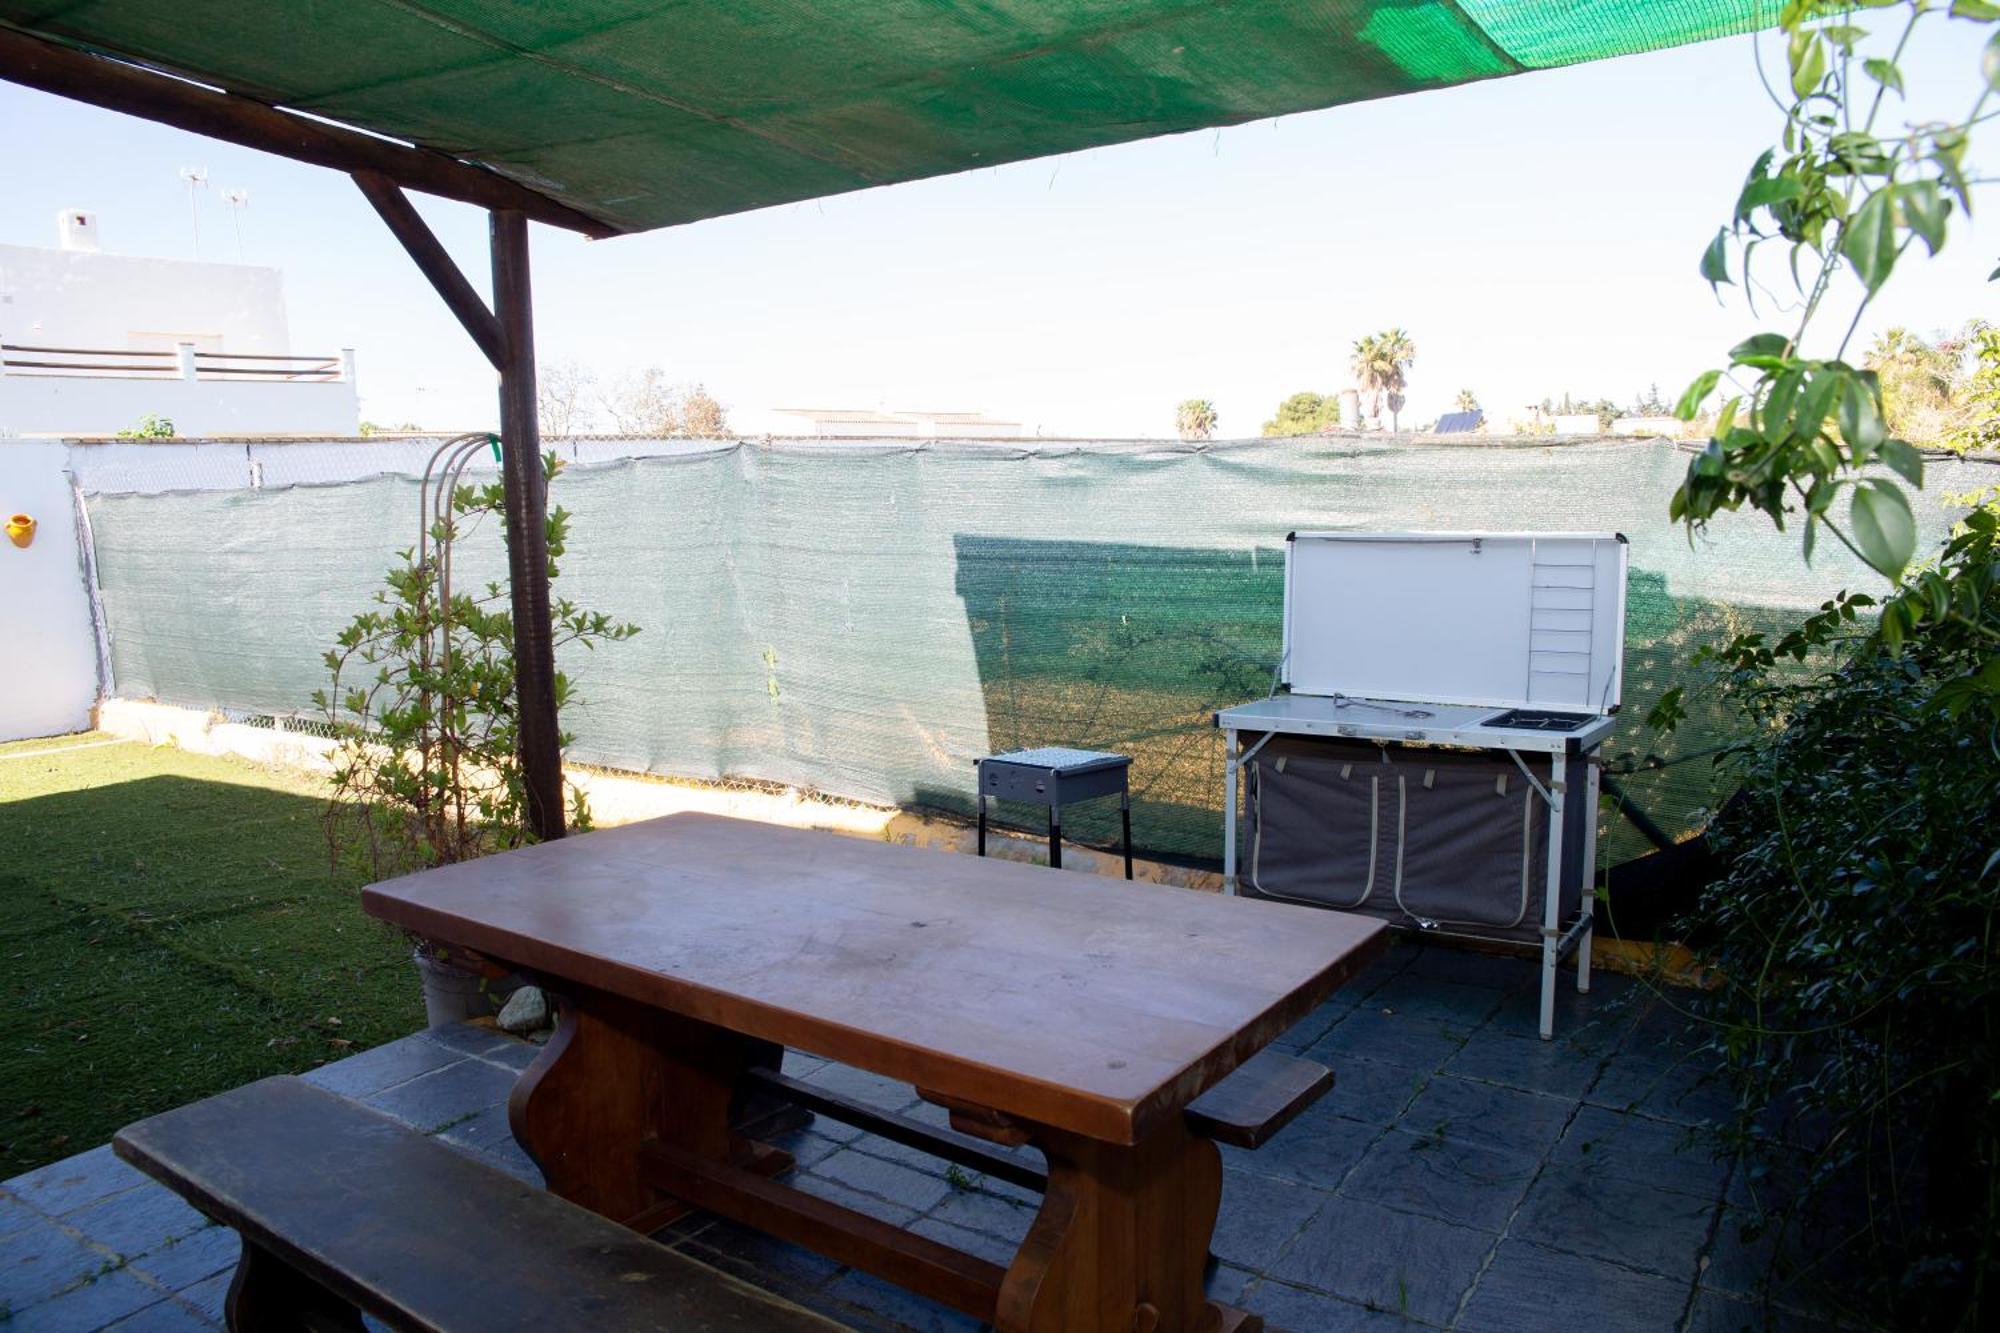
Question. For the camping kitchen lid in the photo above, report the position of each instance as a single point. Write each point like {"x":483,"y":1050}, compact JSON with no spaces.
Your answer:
{"x":1502,"y":618}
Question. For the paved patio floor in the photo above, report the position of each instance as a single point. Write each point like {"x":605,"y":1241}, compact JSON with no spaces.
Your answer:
{"x":1461,"y":1175}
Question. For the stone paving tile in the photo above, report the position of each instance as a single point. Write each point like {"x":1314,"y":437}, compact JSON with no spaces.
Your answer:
{"x":1625,"y":1222}
{"x":1315,"y":1024}
{"x":1316,"y":1150}
{"x":808,"y":1146}
{"x":992,"y":1249}
{"x":873,"y":1089}
{"x":514,"y":1160}
{"x":1531,"y":1287}
{"x":1407,"y":1040}
{"x":1767,"y":1265}
{"x":86,"y":1308}
{"x":833,"y":1191}
{"x":1366,"y":1090}
{"x":1289,"y":1309}
{"x":168,"y":1316}
{"x":382,"y":1067}
{"x":1259,"y":1216}
{"x":205,"y":1298}
{"x":516,"y":1055}
{"x":446,"y":1097}
{"x":1487,"y":1114}
{"x":1379,"y":1257}
{"x":983,"y":1211}
{"x":42,"y":1260}
{"x":915,"y":1190}
{"x":1466,"y":968}
{"x":1467,"y":1183}
{"x":65,"y":1186}
{"x":1558,"y":1068}
{"x":1594,"y":1022}
{"x":1611,"y":1145}
{"x":1227,"y":1282}
{"x":138,"y":1221}
{"x":1686,"y":1090}
{"x":191,"y":1259}
{"x":15,"y":1215}
{"x":469,"y":1039}
{"x":1618,"y":1211}
{"x":1448,"y":1002}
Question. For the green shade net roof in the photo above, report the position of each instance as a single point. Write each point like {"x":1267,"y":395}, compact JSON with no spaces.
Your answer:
{"x":647,"y":113}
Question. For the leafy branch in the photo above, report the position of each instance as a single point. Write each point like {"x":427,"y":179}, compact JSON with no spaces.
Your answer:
{"x":1842,"y":192}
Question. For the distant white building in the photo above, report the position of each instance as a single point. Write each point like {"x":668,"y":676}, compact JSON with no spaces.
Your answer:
{"x":90,"y":343}
{"x":873,"y":424}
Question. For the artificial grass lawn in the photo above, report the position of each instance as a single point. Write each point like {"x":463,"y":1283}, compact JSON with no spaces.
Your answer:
{"x":169,"y":928}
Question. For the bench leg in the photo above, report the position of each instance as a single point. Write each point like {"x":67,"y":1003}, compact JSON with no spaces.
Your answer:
{"x":1121,"y":1241}
{"x":268,"y":1296}
{"x":616,"y":1074}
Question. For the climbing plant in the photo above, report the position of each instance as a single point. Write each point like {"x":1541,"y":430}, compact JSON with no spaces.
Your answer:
{"x":1851,"y":933}
{"x":422,"y":704}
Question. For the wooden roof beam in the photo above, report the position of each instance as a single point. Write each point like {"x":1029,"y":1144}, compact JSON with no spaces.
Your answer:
{"x":138,"y":91}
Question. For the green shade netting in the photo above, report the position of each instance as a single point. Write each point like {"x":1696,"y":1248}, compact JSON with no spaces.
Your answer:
{"x":646,"y":113}
{"x":867,"y":619}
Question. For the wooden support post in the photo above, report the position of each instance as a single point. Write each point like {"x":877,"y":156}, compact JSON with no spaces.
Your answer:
{"x":527,"y":530}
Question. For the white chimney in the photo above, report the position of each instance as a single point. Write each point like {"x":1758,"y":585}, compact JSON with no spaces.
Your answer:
{"x":78,"y":230}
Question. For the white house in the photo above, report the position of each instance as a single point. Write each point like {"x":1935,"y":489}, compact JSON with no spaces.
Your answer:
{"x":871,"y":424}
{"x":91,"y":343}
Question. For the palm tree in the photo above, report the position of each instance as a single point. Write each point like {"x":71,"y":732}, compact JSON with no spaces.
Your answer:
{"x":1378,"y":362}
{"x":1196,"y":419}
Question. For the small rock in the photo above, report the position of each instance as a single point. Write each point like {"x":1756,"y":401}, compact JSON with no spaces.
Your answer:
{"x":526,"y":1010}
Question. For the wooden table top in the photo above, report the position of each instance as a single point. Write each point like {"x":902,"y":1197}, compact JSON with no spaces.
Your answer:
{"x":1091,"y":1004}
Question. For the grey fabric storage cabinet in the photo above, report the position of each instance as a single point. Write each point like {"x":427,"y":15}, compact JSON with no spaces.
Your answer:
{"x":1428,"y":751}
{"x":1448,"y":840}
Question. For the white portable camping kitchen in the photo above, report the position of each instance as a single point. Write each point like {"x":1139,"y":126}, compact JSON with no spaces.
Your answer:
{"x":1507,"y":647}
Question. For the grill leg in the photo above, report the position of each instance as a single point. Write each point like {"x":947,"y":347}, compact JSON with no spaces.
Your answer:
{"x":1055,"y":837}
{"x":1125,"y":818}
{"x":982,"y":823}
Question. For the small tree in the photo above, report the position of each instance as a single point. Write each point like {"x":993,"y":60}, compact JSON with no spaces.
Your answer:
{"x":1466,"y":401}
{"x":1305,"y":413}
{"x":565,"y":393}
{"x":1195,"y":419}
{"x":643,"y":402}
{"x":422,"y":705}
{"x":701,"y":417}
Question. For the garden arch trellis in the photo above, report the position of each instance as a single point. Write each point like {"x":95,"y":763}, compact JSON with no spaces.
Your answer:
{"x":615,"y":116}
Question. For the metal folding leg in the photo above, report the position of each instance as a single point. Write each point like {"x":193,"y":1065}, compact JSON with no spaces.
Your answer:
{"x":1552,"y":899}
{"x":1125,"y":818}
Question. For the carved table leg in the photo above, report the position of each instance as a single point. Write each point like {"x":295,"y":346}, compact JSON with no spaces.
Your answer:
{"x":616,"y":1074}
{"x":268,"y":1296}
{"x":1121,"y":1240}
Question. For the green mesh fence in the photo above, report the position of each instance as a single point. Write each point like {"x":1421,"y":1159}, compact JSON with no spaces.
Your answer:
{"x":643,"y":114}
{"x":867,"y":620}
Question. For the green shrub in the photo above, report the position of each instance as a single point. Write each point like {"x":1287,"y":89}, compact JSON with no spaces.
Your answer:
{"x":1852,"y":935}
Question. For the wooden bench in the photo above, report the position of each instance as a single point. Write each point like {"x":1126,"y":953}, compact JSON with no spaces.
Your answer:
{"x":342,"y":1209}
{"x":1260,"y":1097}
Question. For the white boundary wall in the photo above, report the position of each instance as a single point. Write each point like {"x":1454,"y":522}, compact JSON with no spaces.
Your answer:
{"x":48,"y":644}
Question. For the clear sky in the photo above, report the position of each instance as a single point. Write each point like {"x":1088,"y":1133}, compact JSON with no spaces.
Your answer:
{"x":1535,"y":235}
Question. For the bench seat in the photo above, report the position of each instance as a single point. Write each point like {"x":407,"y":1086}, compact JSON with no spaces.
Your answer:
{"x":341,"y":1208}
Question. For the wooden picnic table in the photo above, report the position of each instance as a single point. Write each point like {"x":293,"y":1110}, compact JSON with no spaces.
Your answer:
{"x":1077,"y":1013}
